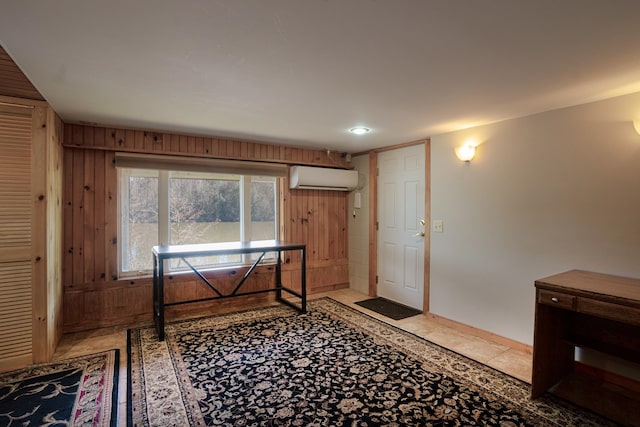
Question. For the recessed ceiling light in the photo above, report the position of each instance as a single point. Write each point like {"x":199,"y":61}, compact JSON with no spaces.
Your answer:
{"x":360,"y":130}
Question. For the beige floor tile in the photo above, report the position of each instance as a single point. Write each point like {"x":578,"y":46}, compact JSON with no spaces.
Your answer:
{"x":64,"y":347}
{"x":446,"y":337}
{"x":122,"y":415}
{"x":515,"y":363}
{"x":418,"y":325}
{"x":479,"y":349}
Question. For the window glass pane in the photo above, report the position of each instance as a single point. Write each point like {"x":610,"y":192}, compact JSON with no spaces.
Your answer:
{"x":263,"y":212}
{"x":263,"y":208}
{"x":140,"y":224}
{"x":204,"y":210}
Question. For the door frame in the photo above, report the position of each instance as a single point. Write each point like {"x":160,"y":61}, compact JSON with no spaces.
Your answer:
{"x":373,"y":215}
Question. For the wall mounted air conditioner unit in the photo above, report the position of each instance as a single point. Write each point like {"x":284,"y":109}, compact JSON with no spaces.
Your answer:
{"x":310,"y":178}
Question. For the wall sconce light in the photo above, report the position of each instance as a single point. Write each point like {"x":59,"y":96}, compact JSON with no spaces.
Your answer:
{"x":466,"y":152}
{"x":636,"y":124}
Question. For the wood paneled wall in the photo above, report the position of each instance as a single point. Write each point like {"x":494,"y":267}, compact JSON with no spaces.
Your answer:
{"x":93,"y":294}
{"x":13,"y":82}
{"x":47,"y":232}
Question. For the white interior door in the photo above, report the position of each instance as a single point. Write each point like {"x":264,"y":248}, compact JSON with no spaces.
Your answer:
{"x":401,"y":202}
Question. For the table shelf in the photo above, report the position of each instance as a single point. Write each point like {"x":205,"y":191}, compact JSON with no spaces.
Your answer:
{"x":611,"y":351}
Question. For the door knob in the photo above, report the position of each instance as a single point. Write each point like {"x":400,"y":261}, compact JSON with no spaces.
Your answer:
{"x":420,"y":234}
{"x":422,"y":222}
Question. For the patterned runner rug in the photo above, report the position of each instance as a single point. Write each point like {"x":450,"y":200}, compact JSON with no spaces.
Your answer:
{"x":333,"y":366}
{"x":82,"y":391}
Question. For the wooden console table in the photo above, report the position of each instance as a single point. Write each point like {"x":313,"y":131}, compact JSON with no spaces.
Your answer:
{"x":163,"y":253}
{"x":596,"y":312}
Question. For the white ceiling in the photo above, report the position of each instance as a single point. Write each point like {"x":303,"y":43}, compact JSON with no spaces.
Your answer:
{"x":302,"y":72}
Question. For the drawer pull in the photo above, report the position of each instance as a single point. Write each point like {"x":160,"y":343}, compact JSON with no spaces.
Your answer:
{"x":557,"y":299}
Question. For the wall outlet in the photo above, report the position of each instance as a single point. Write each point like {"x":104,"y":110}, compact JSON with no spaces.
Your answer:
{"x":438,"y":226}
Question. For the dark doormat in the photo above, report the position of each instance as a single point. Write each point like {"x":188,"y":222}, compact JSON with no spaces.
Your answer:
{"x":388,"y":308}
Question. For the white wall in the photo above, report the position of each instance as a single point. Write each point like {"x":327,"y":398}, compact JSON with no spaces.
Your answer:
{"x":358,"y":230}
{"x":546,"y":193}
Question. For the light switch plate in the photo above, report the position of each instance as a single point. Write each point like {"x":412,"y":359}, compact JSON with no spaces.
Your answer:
{"x":438,"y":226}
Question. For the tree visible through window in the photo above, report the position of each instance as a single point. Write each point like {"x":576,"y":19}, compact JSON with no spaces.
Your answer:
{"x":202,"y":208}
{"x":139,"y":220}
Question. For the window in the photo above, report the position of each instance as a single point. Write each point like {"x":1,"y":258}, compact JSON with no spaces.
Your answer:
{"x":181,"y":207}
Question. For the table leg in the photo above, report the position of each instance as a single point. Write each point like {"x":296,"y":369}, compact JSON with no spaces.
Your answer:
{"x":553,"y":358}
{"x":160,"y":300}
{"x":278,"y":278}
{"x":155,"y":291}
{"x":303,"y":280}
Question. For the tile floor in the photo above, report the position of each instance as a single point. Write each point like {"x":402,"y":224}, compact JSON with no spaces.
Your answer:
{"x":508,"y":360}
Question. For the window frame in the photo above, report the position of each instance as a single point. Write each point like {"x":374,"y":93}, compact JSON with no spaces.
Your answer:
{"x":164,"y":224}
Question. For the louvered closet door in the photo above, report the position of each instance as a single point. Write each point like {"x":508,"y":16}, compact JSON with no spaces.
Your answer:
{"x":15,"y":235}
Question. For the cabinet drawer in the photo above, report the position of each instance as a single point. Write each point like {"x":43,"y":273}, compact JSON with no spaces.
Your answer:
{"x":609,"y":310}
{"x":556,"y":299}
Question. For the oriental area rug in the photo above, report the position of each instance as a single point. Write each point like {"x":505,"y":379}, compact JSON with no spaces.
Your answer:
{"x":81,"y":391}
{"x":333,"y":366}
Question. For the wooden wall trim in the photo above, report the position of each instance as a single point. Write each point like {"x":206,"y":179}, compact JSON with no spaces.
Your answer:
{"x":427,"y":218}
{"x":22,"y":102}
{"x":157,"y":142}
{"x":47,"y":232}
{"x":15,"y":362}
{"x":489,"y":336}
{"x":39,"y":232}
{"x":55,"y":131}
{"x":373,"y":223}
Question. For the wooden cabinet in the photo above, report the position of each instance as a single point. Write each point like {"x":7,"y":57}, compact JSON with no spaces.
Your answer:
{"x":30,"y":232}
{"x":595,"y":312}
